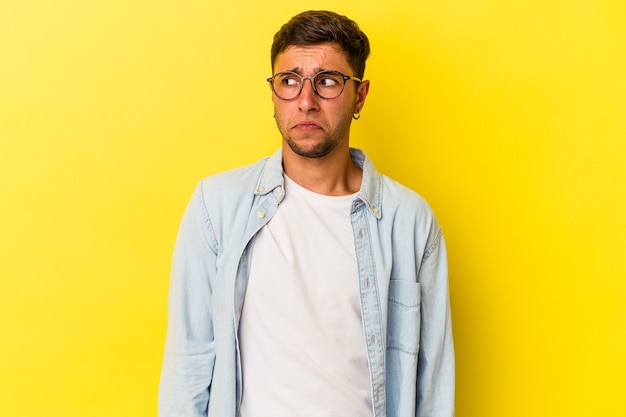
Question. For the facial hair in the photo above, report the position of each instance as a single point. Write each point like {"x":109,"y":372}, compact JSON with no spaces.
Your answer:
{"x":322,"y":148}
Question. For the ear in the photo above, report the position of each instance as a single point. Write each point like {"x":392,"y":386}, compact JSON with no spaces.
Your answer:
{"x":361,"y":95}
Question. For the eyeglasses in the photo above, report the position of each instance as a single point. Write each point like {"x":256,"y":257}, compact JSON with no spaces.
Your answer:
{"x":328,"y":85}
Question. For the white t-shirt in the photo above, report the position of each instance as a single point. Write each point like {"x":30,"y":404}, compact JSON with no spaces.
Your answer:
{"x":301,"y":332}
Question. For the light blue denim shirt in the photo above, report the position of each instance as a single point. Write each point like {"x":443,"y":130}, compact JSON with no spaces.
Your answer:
{"x":403,"y":283}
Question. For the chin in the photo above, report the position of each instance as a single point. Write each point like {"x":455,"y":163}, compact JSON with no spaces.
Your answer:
{"x":318,"y":150}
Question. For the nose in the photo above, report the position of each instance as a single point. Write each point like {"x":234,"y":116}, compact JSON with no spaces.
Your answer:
{"x":308,"y":98}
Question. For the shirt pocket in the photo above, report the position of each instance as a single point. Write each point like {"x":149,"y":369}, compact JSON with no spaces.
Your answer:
{"x":403,"y":322}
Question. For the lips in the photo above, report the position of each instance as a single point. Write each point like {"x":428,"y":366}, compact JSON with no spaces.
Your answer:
{"x":307,"y":125}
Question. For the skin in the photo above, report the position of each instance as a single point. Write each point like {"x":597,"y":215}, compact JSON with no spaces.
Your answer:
{"x":316,"y":131}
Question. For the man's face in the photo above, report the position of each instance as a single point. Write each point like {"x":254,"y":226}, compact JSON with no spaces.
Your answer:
{"x":312,"y":126}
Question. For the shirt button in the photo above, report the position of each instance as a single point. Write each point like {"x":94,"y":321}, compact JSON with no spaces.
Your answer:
{"x":261,"y":215}
{"x":260,"y":189}
{"x":278,"y":190}
{"x":367,"y":283}
{"x":361,"y":234}
{"x":375,"y":210}
{"x":373,"y":339}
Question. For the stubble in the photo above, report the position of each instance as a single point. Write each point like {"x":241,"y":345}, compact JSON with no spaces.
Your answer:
{"x":324,"y":146}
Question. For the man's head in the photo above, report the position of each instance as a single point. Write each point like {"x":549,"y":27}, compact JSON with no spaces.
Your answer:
{"x":328,"y":50}
{"x":318,"y":27}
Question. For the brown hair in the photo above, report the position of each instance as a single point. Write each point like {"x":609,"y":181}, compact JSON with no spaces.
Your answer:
{"x":316,"y":27}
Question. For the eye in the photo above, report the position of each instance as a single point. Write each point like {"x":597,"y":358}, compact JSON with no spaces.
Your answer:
{"x":327,"y":80}
{"x":288,"y":80}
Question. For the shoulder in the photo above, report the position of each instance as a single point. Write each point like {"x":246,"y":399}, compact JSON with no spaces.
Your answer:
{"x":229,"y":193}
{"x":411,"y":217}
{"x":224,"y":200}
{"x":397,"y":196}
{"x":379,"y":190}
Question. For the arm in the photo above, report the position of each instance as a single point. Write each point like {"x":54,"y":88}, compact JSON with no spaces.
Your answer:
{"x":189,"y":349}
{"x":435,"y":376}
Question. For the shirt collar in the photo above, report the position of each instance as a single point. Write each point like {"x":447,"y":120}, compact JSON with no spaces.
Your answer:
{"x":272,"y":174}
{"x":370,"y":192}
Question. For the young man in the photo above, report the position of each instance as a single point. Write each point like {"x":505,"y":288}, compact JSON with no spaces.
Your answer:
{"x":308,"y":284}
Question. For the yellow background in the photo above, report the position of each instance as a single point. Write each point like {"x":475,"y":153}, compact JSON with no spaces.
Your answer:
{"x":508,"y":116}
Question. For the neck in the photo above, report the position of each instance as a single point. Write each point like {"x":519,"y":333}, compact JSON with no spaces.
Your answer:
{"x":334,"y":174}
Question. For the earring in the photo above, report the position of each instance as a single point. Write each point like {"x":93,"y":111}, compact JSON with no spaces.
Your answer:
{"x":357,"y":115}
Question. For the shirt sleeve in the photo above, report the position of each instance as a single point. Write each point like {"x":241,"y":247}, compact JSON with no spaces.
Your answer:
{"x":435,"y":376}
{"x":189,"y":348}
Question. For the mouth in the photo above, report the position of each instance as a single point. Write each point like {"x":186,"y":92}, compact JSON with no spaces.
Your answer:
{"x":307,"y":125}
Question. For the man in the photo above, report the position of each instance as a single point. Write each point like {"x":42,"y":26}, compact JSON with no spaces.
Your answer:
{"x":308,"y":284}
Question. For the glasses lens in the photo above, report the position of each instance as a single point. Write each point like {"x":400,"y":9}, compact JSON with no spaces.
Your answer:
{"x":287,"y":85}
{"x":329,"y":84}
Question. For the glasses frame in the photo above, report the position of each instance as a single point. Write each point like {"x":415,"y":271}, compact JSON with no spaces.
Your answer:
{"x":311,"y":78}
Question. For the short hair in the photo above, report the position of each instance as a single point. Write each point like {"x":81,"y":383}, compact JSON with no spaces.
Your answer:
{"x":319,"y":26}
